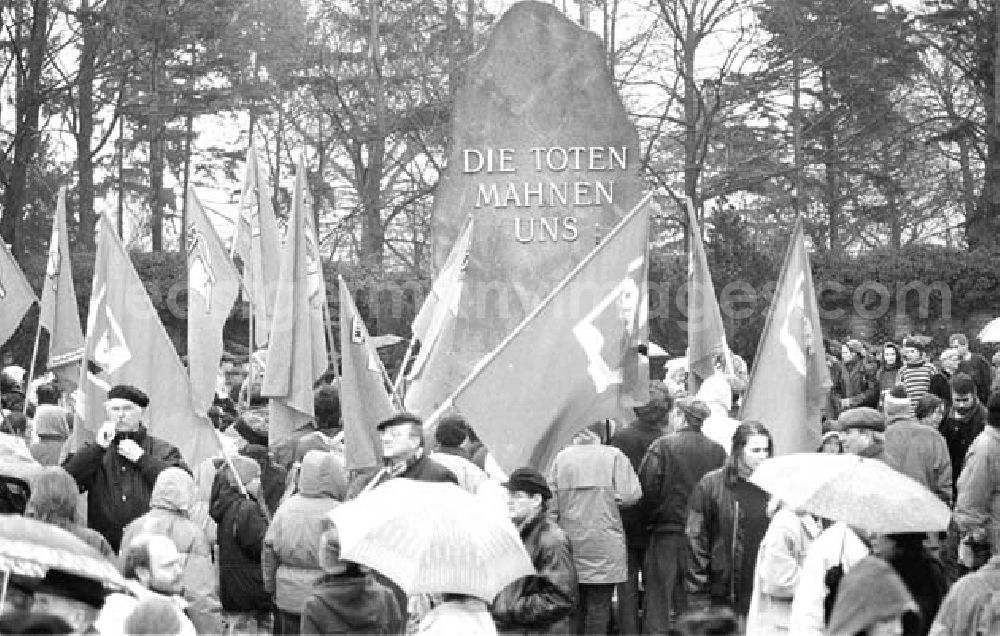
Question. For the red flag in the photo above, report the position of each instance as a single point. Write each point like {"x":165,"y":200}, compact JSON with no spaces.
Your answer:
{"x":296,"y":355}
{"x":213,"y":284}
{"x":706,"y":334}
{"x":363,"y":396}
{"x":573,"y":361}
{"x":127,"y":344}
{"x":16,"y":294}
{"x":257,"y":244}
{"x":790,"y":379}
{"x":59,"y":314}
{"x":437,"y":316}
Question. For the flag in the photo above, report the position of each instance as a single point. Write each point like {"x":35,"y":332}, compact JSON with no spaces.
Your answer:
{"x":363,"y":397}
{"x":706,"y":334}
{"x":127,"y":344}
{"x":573,"y":361}
{"x":437,"y":314}
{"x":213,"y":284}
{"x":790,"y":379}
{"x":296,"y":355}
{"x":257,"y":244}
{"x":59,"y":314}
{"x":16,"y":294}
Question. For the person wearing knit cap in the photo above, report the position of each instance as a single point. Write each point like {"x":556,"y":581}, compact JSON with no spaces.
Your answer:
{"x":872,"y":599}
{"x":119,"y":469}
{"x":918,"y":451}
{"x":977,"y":508}
{"x":863,"y":433}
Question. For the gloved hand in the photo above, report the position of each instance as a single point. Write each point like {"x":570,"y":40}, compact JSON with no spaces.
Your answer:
{"x":106,"y":434}
{"x":131,"y":451}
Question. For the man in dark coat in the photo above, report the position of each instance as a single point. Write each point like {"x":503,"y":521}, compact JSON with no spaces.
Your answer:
{"x":118,"y":471}
{"x":634,"y":441}
{"x":963,"y":421}
{"x":541,"y":603}
{"x":404,"y":455}
{"x":974,"y":365}
{"x":242,"y":526}
{"x":672,"y":467}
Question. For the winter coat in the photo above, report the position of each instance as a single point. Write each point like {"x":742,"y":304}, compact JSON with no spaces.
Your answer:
{"x":977,"y":367}
{"x":634,"y":440}
{"x":241,"y":528}
{"x":978,"y":503}
{"x":779,"y":566}
{"x":958,"y":611}
{"x":916,"y":379}
{"x":290,"y":559}
{"x":959,"y":431}
{"x":919,"y":452}
{"x":589,"y":482}
{"x":118,"y":490}
{"x":727,"y":520}
{"x":352,"y":604}
{"x":169,"y":515}
{"x":855,"y":382}
{"x":52,"y":430}
{"x":468,"y":617}
{"x":673,"y":466}
{"x":837,"y":545}
{"x":541,"y":603}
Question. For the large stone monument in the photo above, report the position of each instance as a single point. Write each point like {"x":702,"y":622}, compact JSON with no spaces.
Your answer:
{"x":545,"y":159}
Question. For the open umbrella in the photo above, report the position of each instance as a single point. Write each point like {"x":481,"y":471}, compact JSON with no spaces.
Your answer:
{"x":991,"y":332}
{"x":432,"y":538}
{"x":30,"y":548}
{"x":864,"y":493}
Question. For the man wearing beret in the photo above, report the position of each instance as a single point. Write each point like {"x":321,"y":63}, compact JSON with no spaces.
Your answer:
{"x":540,"y":603}
{"x":674,"y":464}
{"x":119,"y":469}
{"x":863,"y":434}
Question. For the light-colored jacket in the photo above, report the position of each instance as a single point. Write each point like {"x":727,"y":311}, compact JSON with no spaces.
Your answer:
{"x":468,"y":617}
{"x":290,"y":555}
{"x":920,"y":453}
{"x":779,"y":566}
{"x":589,"y":482}
{"x":978,"y":503}
{"x":470,"y":477}
{"x":837,"y":545}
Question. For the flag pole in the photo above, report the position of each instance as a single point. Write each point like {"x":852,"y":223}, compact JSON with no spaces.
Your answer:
{"x":402,"y":367}
{"x":331,"y":352}
{"x":31,"y":366}
{"x":489,"y":357}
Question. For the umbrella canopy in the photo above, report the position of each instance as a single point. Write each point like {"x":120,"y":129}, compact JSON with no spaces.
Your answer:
{"x":31,"y":548}
{"x":864,"y":493}
{"x":432,"y":538}
{"x":991,"y":332}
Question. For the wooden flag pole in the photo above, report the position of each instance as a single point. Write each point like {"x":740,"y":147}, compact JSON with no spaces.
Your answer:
{"x":331,"y":352}
{"x":31,"y":365}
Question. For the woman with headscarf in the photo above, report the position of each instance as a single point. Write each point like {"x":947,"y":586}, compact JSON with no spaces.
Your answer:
{"x":290,"y":558}
{"x":52,"y":430}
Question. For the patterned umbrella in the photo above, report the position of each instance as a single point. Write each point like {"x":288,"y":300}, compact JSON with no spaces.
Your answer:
{"x":864,"y":493}
{"x":31,"y":548}
{"x":431,"y":538}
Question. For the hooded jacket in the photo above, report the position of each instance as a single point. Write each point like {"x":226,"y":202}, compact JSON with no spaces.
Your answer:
{"x":241,"y":528}
{"x":169,"y":514}
{"x":118,"y":490}
{"x":540,"y":603}
{"x":290,"y":557}
{"x":726,"y":523}
{"x":351,"y":604}
{"x":52,"y":430}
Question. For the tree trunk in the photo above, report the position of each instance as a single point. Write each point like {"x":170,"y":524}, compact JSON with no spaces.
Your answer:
{"x":156,"y":158}
{"x":691,"y":117}
{"x":28,"y":104}
{"x":981,"y":229}
{"x":831,"y":168}
{"x":85,"y":130}
{"x":372,"y":230}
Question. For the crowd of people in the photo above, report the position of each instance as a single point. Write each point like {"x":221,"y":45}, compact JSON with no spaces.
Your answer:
{"x":649,"y":526}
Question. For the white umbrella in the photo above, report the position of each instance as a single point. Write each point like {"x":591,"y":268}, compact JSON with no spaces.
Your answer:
{"x":991,"y":332}
{"x":864,"y":493}
{"x":432,"y":538}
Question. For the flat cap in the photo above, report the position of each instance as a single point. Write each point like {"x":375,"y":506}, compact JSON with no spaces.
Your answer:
{"x":694,"y":408}
{"x":863,"y":417}
{"x":530,"y":481}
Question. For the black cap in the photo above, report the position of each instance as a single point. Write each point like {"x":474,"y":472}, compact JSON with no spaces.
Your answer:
{"x":400,"y":418}
{"x":72,"y":586}
{"x":130,"y":393}
{"x":530,"y":481}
